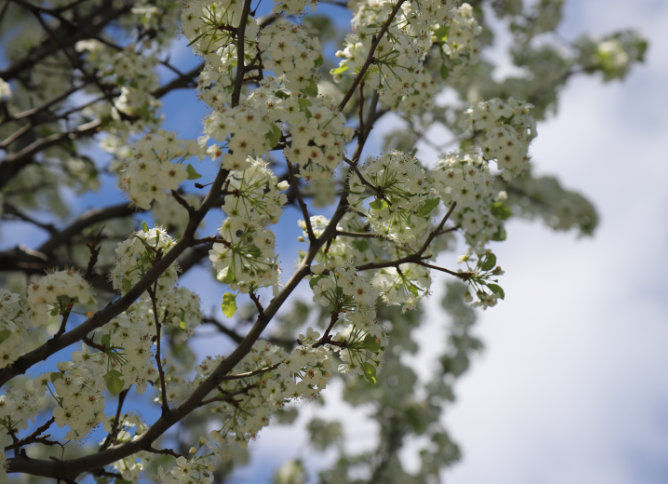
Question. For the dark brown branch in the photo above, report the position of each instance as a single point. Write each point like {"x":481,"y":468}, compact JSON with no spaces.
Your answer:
{"x":84,"y":221}
{"x":294,"y":183}
{"x":241,"y":66}
{"x":14,"y":162}
{"x":68,"y":36}
{"x":183,"y":81}
{"x":111,"y":436}
{"x":158,"y":345}
{"x":33,"y":437}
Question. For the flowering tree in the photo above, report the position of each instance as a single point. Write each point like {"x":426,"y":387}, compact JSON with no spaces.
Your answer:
{"x":98,"y":366}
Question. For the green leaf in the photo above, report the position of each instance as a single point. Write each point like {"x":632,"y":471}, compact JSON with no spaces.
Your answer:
{"x":466,"y":144}
{"x":4,"y":334}
{"x":192,"y":173}
{"x":228,"y":276}
{"x":412,"y":288}
{"x":500,"y":211}
{"x":427,"y":206}
{"x":311,"y":90}
{"x":488,"y":262}
{"x":303,"y":106}
{"x":229,"y":305}
{"x":319,"y":61}
{"x":369,"y":372}
{"x":144,"y":227}
{"x":371,"y":343}
{"x":499,"y":236}
{"x":274,"y":134}
{"x":379,"y":204}
{"x":114,"y":381}
{"x":106,"y":340}
{"x":441,"y":33}
{"x":314,"y":280}
{"x":339,"y":70}
{"x":55,"y":375}
{"x":496,"y":289}
{"x":360,"y":245}
{"x":445,"y":72}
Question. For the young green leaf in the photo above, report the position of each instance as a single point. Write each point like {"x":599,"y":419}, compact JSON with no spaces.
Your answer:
{"x":339,"y":70}
{"x":488,"y":262}
{"x":369,"y":372}
{"x":379,"y":204}
{"x":496,"y":289}
{"x":427,"y":206}
{"x":4,"y":334}
{"x":105,"y":340}
{"x":371,"y":343}
{"x":311,"y":90}
{"x":500,"y":211}
{"x":113,"y":379}
{"x":192,"y":173}
{"x":229,"y":305}
{"x":273,"y":135}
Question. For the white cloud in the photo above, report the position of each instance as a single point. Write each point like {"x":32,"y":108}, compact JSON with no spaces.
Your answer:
{"x":571,"y":387}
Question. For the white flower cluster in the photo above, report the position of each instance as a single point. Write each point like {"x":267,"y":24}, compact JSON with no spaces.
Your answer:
{"x":462,"y":33}
{"x":506,"y":128}
{"x":247,"y":404}
{"x":131,"y":336}
{"x":291,"y":52}
{"x":197,"y":469}
{"x":128,"y":426}
{"x":254,"y":195}
{"x":127,"y":360}
{"x":349,"y":294}
{"x":5,"y":89}
{"x":210,"y":27}
{"x":613,"y":54}
{"x":79,"y":386}
{"x":317,"y":132}
{"x":149,"y":173}
{"x":181,"y":309}
{"x":402,"y":188}
{"x":318,"y":136}
{"x":398,"y":68}
{"x":465,"y":178}
{"x":307,"y":368}
{"x":247,"y":258}
{"x":133,"y":73}
{"x":136,"y":255}
{"x":403,"y":285}
{"x":15,"y":335}
{"x":24,"y":400}
{"x":245,"y":131}
{"x":169,"y":213}
{"x":55,"y":294}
